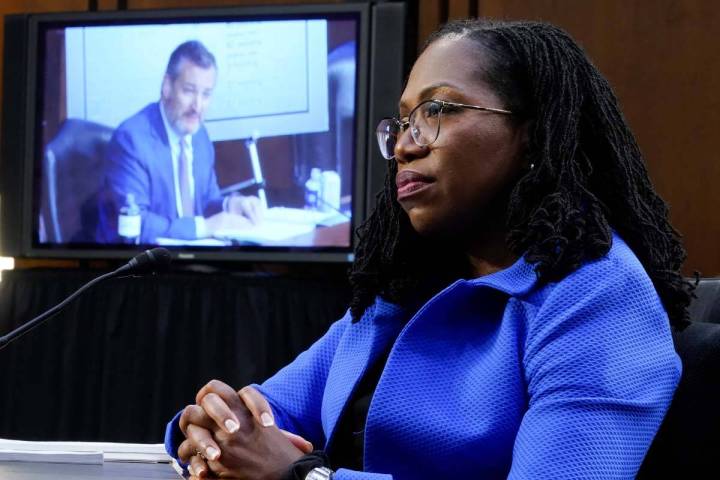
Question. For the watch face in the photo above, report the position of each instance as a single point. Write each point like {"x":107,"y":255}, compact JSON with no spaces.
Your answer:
{"x":319,"y":473}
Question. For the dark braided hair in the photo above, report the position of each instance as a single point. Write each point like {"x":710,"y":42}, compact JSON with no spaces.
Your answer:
{"x":589,"y":177}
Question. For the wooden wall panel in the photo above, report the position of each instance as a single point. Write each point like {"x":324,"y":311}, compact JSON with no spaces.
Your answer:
{"x":107,"y":4}
{"x":8,"y":7}
{"x":431,"y":14}
{"x":212,"y":3}
{"x":663,"y":59}
{"x":460,"y":9}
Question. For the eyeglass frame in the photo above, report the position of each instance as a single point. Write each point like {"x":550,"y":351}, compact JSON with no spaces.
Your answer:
{"x":403,"y":126}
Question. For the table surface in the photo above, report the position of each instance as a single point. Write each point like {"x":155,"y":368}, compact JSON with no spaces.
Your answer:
{"x":67,"y":471}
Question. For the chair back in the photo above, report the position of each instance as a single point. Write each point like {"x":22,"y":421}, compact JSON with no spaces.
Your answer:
{"x":706,"y":307}
{"x":74,"y":177}
{"x":688,"y":442}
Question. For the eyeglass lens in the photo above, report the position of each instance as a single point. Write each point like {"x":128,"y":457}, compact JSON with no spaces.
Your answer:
{"x":387,"y":132}
{"x":424,"y":123}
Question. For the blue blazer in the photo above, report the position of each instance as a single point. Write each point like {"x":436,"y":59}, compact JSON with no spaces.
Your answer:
{"x":139,"y":161}
{"x":498,"y":377}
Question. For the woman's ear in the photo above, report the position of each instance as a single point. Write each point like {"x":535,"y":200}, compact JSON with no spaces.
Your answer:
{"x":527,"y":162}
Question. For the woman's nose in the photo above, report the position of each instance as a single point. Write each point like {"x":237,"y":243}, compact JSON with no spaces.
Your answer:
{"x":406,"y":150}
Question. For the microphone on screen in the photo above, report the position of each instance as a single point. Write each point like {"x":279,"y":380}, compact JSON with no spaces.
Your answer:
{"x":149,"y":261}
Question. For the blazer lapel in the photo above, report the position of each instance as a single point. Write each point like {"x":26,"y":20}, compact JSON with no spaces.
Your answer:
{"x":364,"y":341}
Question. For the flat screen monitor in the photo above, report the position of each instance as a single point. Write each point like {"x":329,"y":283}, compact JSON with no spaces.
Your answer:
{"x":235,"y":133}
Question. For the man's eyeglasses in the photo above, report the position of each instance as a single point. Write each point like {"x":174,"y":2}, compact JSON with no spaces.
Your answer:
{"x":423,"y":122}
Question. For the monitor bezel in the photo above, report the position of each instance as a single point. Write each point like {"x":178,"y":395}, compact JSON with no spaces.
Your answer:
{"x":37,"y":24}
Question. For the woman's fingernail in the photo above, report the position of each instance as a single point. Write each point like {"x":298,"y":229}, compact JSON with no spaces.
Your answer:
{"x":266,"y":419}
{"x":231,"y":425}
{"x":199,"y":471}
{"x":212,"y":453}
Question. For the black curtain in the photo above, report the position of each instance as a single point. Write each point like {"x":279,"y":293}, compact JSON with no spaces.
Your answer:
{"x":121,"y":360}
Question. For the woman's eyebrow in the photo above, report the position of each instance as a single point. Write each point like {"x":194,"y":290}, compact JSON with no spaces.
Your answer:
{"x":427,"y":93}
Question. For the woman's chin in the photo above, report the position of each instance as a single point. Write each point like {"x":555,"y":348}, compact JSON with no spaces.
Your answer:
{"x":429,"y":226}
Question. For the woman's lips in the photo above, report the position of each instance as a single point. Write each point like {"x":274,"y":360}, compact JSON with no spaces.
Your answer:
{"x":410,"y":182}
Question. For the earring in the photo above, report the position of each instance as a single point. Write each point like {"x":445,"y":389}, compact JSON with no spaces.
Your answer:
{"x":532,"y":165}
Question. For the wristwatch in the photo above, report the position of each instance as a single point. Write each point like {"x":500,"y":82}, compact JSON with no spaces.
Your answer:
{"x":320,"y":473}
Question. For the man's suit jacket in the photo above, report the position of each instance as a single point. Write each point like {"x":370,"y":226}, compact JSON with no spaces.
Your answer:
{"x":139,"y":161}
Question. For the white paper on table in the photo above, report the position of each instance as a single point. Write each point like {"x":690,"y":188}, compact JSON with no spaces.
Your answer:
{"x":266,"y":231}
{"x":200,"y":242}
{"x":87,"y":458}
{"x":296,"y":215}
{"x":82,"y":452}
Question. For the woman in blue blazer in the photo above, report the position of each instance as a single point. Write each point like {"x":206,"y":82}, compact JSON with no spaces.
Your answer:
{"x":512,"y":291}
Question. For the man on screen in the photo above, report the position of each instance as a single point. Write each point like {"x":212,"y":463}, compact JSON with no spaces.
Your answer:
{"x":164,"y":158}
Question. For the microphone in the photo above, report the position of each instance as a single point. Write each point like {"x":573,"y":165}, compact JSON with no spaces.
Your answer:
{"x":157,"y":259}
{"x":148,"y":261}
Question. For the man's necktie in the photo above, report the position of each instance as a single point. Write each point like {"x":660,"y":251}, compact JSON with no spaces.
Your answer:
{"x":186,"y":196}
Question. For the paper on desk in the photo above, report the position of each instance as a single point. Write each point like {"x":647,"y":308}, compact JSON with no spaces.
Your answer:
{"x":81,"y":452}
{"x":267,"y":231}
{"x":296,"y":215}
{"x":200,"y":242}
{"x":87,"y":458}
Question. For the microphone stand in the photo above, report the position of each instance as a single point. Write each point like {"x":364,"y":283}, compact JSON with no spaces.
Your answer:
{"x":142,"y":263}
{"x":5,"y":340}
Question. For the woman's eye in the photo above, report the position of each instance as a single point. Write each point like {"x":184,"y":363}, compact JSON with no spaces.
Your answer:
{"x":451,"y":109}
{"x":433,"y":110}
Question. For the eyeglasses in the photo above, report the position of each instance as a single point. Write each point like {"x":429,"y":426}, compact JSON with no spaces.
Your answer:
{"x":424,"y":124}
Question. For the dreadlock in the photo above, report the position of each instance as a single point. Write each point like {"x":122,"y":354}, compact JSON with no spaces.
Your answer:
{"x":589,"y":178}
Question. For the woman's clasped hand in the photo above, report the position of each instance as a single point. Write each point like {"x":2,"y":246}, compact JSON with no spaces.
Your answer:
{"x":233,"y":434}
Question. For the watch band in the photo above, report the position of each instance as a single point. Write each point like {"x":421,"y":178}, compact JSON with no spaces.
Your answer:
{"x":320,"y":473}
